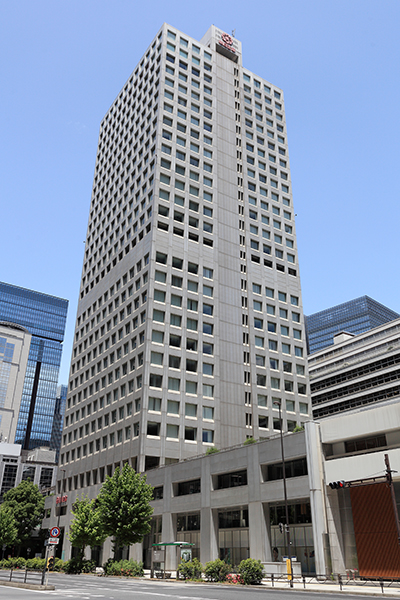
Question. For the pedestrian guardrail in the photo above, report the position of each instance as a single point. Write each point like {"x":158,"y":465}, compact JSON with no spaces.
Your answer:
{"x":348,"y":580}
{"x":23,"y":576}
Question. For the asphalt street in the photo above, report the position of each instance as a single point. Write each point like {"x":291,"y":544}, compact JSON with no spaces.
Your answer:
{"x":85,"y":587}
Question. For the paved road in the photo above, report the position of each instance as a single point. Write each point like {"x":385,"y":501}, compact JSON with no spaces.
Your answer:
{"x":86,"y":587}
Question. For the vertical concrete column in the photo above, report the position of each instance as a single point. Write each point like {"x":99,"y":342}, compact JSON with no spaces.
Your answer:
{"x":333,"y":515}
{"x":169,"y":535}
{"x":258,"y":532}
{"x":208,"y":535}
{"x":317,"y":493}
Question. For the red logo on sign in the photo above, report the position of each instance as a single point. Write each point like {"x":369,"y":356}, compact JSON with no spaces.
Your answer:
{"x":227,"y":42}
{"x":61,"y":499}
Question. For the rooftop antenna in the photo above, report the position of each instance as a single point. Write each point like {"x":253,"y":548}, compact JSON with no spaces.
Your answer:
{"x":233,"y":33}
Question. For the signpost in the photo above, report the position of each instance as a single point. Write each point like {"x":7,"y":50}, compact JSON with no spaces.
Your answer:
{"x":51,"y":541}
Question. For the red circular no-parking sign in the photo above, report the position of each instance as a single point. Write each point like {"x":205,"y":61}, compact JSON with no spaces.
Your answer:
{"x":55,"y":531}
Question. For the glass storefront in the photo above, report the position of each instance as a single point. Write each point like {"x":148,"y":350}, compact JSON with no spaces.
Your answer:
{"x":233,"y":535}
{"x":301,"y":536}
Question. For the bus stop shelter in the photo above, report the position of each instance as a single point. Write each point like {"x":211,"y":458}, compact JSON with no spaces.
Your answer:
{"x":158,"y":554}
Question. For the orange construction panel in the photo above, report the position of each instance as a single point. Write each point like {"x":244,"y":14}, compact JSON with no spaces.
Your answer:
{"x":375,"y":530}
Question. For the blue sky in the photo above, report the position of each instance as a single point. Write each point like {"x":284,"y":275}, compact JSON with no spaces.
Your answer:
{"x":63,"y":63}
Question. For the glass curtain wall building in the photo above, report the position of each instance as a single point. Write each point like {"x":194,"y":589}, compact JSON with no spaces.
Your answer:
{"x":44,"y":317}
{"x":355,"y":316}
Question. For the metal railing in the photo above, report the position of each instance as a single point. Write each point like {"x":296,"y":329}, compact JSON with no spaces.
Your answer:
{"x":350,"y":579}
{"x":23,"y":576}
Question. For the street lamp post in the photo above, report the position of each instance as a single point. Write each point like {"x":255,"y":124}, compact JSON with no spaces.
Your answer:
{"x":288,"y":542}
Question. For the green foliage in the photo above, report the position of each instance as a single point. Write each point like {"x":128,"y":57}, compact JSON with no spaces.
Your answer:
{"x":58,"y":564}
{"x":212,"y":450}
{"x":298,"y":428}
{"x":126,"y":568}
{"x":216,"y":570}
{"x":124,"y":507}
{"x":38,"y":564}
{"x":27,"y":505}
{"x":190,"y":569}
{"x":8,"y":526}
{"x":249,"y":441}
{"x":251,"y":571}
{"x":78,"y":565}
{"x":86,"y":528}
{"x":15,"y":562}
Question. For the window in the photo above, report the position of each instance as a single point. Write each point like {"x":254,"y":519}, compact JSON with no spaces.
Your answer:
{"x":208,"y":390}
{"x":155,"y":380}
{"x":275,"y":383}
{"x":172,"y":431}
{"x":260,"y":360}
{"x":155,"y":404}
{"x":208,"y":328}
{"x":208,"y":413}
{"x":158,"y":316}
{"x":173,"y":407}
{"x":191,"y":324}
{"x":185,"y":488}
{"x":157,"y":336}
{"x":192,"y":304}
{"x":176,"y":320}
{"x":176,"y":300}
{"x":288,"y":386}
{"x":303,"y":408}
{"x":190,"y":434}
{"x":191,"y":410}
{"x":208,"y":348}
{"x":229,"y":480}
{"x":153,"y":429}
{"x":174,"y":384}
{"x":156,"y":358}
{"x":174,"y":362}
{"x":208,"y":369}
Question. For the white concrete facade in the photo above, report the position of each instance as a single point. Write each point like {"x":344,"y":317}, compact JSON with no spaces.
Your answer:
{"x":189,"y":325}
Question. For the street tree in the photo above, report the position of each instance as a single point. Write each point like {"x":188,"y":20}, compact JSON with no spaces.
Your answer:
{"x":27,"y":506}
{"x":124,"y":505}
{"x":86,"y":528}
{"x":8,"y":527}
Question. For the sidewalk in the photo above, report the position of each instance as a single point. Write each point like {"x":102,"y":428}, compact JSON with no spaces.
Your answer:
{"x":355,"y":587}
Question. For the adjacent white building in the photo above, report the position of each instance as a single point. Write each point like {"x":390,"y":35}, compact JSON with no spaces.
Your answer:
{"x":355,"y":395}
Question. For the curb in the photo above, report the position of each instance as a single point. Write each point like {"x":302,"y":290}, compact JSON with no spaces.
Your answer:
{"x":27,"y":586}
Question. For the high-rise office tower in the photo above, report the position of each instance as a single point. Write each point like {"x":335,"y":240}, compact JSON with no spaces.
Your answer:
{"x":356,"y":316}
{"x":189,"y":325}
{"x":14,"y":352}
{"x":44,"y":317}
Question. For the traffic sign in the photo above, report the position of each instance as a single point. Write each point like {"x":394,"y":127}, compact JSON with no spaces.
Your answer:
{"x":55,"y":532}
{"x":51,"y":541}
